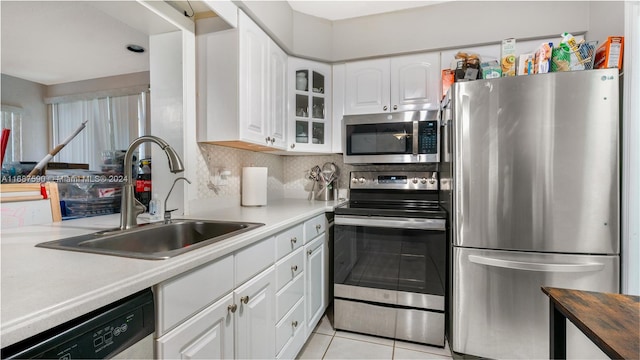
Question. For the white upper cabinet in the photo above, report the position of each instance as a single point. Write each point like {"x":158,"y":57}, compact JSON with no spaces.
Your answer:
{"x":253,"y":67}
{"x":367,"y":87}
{"x":242,"y":88}
{"x":415,"y":82}
{"x":310,"y":106}
{"x":392,"y":84}
{"x":277,"y":107}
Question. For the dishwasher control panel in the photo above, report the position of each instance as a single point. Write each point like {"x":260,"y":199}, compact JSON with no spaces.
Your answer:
{"x":98,"y":335}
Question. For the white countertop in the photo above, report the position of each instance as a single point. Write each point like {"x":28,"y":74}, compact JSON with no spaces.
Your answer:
{"x":42,"y":288}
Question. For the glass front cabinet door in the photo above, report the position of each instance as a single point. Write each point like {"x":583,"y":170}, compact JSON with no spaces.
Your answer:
{"x":309,"y":106}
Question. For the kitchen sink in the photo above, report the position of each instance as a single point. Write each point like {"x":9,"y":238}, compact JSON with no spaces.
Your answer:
{"x":154,"y":241}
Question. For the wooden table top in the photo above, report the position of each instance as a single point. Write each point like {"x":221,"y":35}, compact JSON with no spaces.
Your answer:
{"x":611,"y":321}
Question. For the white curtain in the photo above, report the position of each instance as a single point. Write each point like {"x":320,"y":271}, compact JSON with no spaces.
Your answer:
{"x":113,"y":122}
{"x":11,"y":118}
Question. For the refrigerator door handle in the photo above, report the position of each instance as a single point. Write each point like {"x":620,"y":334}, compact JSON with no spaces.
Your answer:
{"x":533,"y":266}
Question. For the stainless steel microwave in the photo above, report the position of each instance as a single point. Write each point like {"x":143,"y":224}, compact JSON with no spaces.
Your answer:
{"x":393,"y":138}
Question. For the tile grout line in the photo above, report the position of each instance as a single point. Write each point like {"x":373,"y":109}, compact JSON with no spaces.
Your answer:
{"x":328,"y":345}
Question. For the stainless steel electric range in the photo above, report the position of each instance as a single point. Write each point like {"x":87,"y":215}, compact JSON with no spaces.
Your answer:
{"x":390,"y":251}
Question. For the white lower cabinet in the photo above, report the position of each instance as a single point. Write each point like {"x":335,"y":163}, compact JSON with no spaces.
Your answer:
{"x":207,"y":335}
{"x":315,"y":279}
{"x":261,"y":302}
{"x":256,"y":318}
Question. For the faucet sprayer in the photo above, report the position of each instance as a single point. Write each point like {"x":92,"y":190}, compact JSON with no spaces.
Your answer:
{"x":130,"y":207}
{"x":167,"y":213}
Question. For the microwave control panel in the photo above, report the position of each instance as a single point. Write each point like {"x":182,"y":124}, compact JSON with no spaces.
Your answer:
{"x":428,"y":137}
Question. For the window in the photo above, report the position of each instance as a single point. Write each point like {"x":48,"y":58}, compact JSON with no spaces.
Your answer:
{"x":113,"y":122}
{"x":12,"y":120}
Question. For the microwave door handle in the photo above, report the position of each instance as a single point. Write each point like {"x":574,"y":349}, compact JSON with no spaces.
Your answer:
{"x":415,"y":138}
{"x":534,"y":266}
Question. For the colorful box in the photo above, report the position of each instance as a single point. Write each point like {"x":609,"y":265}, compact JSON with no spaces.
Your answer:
{"x":448,"y":78}
{"x":610,"y":53}
{"x":508,"y":57}
{"x":526,"y":64}
{"x":543,"y":58}
{"x":491,"y":69}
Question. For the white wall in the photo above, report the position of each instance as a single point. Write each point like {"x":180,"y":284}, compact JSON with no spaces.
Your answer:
{"x":606,"y":18}
{"x":167,"y":120}
{"x":455,"y":24}
{"x":631,"y":153}
{"x":442,"y":26}
{"x":312,"y":36}
{"x":274,"y":17}
{"x":30,"y":97}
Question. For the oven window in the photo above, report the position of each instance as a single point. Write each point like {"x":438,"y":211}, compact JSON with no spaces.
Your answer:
{"x":380,"y":139}
{"x":393,"y":259}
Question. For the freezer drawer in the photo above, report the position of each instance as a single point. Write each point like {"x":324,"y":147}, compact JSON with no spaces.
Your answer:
{"x":499,"y":311}
{"x":415,"y":325}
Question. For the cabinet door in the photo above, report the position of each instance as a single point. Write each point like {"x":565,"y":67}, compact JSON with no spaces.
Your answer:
{"x":277,"y":120}
{"x":310,"y":113}
{"x":367,"y":87}
{"x":207,"y":335}
{"x":315,"y":279}
{"x":338,"y":106}
{"x":252,"y":81}
{"x":256,"y":318}
{"x":415,"y":82}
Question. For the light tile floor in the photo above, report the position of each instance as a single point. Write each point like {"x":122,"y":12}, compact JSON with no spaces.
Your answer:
{"x":327,"y":343}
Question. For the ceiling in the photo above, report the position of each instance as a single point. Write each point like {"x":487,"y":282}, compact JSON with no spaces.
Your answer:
{"x":339,"y":10}
{"x":53,"y":42}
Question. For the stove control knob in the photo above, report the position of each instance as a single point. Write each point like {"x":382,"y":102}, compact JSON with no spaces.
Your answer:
{"x":362,"y":180}
{"x":432,"y":181}
{"x":423,"y":180}
{"x":354,"y":180}
{"x":415,"y":180}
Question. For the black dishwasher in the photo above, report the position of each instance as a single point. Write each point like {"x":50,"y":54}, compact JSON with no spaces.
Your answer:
{"x":99,"y":334}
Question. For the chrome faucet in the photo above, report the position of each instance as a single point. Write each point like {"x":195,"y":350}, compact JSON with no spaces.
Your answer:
{"x":167,"y":213}
{"x":130,"y":207}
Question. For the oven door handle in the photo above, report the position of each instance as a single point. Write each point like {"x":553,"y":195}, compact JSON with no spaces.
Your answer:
{"x":391,"y":222}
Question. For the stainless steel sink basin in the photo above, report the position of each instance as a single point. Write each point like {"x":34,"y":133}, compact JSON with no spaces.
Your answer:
{"x":153,"y":241}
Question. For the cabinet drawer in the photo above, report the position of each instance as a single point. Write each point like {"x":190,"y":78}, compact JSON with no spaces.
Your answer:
{"x":184,"y":295}
{"x":288,"y":268}
{"x":314,"y":227}
{"x":253,"y":259}
{"x":290,"y":332}
{"x":289,"y":295}
{"x":289,"y":240}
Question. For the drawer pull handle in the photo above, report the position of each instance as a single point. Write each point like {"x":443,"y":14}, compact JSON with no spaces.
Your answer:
{"x":294,"y":240}
{"x":244,"y":299}
{"x":294,"y":268}
{"x":294,"y":323}
{"x":318,"y":227}
{"x":309,"y":251}
{"x":232,"y":308}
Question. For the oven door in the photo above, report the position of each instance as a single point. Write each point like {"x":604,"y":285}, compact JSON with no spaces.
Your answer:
{"x":386,"y":260}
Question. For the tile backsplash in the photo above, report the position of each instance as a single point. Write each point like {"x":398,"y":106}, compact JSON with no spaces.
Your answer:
{"x":288,"y":174}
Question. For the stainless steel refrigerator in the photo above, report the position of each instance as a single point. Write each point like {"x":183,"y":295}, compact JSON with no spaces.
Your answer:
{"x":531,"y":176}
